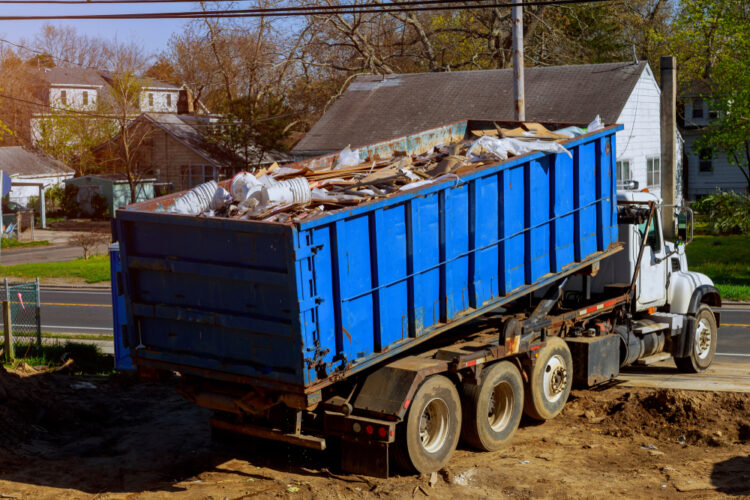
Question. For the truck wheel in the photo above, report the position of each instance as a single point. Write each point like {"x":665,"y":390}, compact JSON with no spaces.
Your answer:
{"x":550,"y":381}
{"x":428,"y":437}
{"x":493,"y":408}
{"x":704,"y":343}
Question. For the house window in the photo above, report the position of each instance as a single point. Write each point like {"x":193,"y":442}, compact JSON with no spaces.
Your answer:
{"x":712,"y":114}
{"x":64,"y":97}
{"x":653,"y":172}
{"x":169,"y":100}
{"x":623,"y":172}
{"x":85,"y":98}
{"x":705,"y":160}
{"x":193,"y":175}
{"x":151,"y":100}
{"x":697,"y":107}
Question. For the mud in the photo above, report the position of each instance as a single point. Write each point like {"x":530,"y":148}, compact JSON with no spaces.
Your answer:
{"x":64,"y":436}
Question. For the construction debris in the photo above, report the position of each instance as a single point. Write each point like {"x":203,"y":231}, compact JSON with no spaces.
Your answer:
{"x":298,"y":190}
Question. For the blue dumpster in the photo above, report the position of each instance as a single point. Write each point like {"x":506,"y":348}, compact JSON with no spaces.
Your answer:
{"x":297,"y":306}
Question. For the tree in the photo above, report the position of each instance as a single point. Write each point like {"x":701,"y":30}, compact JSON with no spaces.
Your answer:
{"x":69,"y":135}
{"x":252,"y":127}
{"x":712,"y":39}
{"x":125,"y":153}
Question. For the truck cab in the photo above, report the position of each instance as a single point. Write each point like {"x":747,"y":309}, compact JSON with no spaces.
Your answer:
{"x":672,"y":301}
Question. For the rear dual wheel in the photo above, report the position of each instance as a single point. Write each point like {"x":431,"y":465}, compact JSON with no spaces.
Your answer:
{"x":493,"y":408}
{"x":428,"y":437}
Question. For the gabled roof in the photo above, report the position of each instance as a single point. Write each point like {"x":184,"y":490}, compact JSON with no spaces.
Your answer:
{"x":378,"y":108}
{"x":85,"y":76}
{"x":20,"y":161}
{"x":185,"y":130}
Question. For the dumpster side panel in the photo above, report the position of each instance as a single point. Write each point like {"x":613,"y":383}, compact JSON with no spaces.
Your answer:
{"x":397,"y":269}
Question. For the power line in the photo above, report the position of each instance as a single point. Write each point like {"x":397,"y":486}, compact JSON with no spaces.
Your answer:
{"x":278,"y":12}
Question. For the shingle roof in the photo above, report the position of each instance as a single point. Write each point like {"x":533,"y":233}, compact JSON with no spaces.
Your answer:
{"x":185,"y":129}
{"x":87,"y":76}
{"x":20,"y":161}
{"x":377,"y":108}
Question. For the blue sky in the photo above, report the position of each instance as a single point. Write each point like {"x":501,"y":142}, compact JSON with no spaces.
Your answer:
{"x":151,"y":34}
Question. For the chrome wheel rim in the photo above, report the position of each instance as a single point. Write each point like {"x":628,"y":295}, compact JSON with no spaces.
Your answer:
{"x":702,"y":339}
{"x":433,"y":425}
{"x":500,"y":406}
{"x":555,"y":378}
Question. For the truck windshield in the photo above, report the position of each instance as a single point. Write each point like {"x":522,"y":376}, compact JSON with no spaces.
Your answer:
{"x":654,"y":240}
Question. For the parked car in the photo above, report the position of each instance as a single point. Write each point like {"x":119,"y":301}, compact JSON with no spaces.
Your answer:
{"x":11,"y":207}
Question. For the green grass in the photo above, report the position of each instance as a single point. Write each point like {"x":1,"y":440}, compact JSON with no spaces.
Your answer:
{"x":13,"y":243}
{"x":76,"y":336}
{"x":724,"y":259}
{"x":93,"y":270}
{"x":88,"y":358}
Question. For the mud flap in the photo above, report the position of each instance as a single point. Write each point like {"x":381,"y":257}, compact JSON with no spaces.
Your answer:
{"x":684,"y":343}
{"x":364,"y":457}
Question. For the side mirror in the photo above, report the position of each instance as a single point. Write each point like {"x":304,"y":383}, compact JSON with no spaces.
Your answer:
{"x":684,"y":225}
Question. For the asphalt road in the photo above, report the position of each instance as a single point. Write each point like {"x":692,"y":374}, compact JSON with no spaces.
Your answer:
{"x":734,"y":334}
{"x":76,"y":311}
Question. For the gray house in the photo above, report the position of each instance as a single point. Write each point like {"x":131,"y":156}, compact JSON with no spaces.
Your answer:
{"x":378,"y":108}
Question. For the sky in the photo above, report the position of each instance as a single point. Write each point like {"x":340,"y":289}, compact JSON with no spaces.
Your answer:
{"x":151,"y":34}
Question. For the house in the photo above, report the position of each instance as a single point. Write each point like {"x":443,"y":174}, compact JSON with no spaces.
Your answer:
{"x":82,"y":89}
{"x":114,"y":188}
{"x":175,"y":151}
{"x":79,"y":89}
{"x":377,"y":108}
{"x":31,"y":167}
{"x":706,"y":170}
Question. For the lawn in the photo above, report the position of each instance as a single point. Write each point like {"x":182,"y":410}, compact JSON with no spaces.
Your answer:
{"x":93,"y":270}
{"x":14,"y":243}
{"x":724,"y":259}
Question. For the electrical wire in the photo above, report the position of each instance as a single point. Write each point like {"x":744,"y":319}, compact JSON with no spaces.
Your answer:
{"x":286,"y":12}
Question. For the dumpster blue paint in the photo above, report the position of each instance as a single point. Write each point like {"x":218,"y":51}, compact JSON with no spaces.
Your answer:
{"x":297,"y":306}
{"x":122,"y":353}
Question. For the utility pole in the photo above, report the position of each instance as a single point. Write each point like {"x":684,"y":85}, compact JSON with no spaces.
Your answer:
{"x":518,"y":91}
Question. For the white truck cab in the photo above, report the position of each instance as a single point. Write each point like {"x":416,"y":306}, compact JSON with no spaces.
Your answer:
{"x":670,"y":312}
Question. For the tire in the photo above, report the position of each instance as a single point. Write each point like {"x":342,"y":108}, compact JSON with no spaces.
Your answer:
{"x":428,"y":436}
{"x":703,"y":343}
{"x":492,"y":409}
{"x":550,"y":381}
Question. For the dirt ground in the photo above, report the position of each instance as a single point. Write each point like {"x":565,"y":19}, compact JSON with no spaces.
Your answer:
{"x":64,"y":436}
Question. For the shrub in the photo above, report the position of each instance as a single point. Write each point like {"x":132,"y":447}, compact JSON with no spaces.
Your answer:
{"x":726,"y":212}
{"x":89,"y":242}
{"x":69,"y":202}
{"x":99,"y":207}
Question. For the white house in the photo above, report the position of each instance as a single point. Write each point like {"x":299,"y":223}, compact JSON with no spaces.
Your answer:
{"x":79,"y":89}
{"x":27,"y":166}
{"x":707,"y":170}
{"x":378,"y":108}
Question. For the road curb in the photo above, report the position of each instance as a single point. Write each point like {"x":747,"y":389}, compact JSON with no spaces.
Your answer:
{"x":734,"y":303}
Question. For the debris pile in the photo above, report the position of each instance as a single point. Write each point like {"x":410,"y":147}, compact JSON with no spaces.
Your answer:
{"x":299,"y":190}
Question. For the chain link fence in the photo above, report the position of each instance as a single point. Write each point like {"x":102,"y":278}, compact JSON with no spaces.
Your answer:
{"x":25,"y":320}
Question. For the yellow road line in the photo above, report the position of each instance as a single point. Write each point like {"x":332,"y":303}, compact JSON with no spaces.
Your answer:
{"x":74,"y":305}
{"x":733,"y":324}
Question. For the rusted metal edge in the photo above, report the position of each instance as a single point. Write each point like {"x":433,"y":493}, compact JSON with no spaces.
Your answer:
{"x":312,"y":442}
